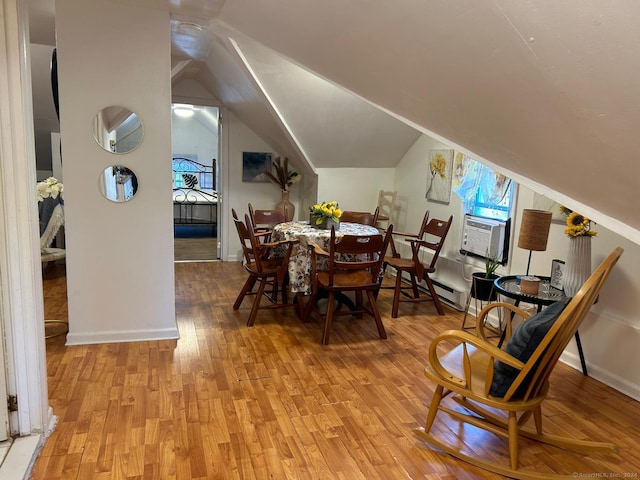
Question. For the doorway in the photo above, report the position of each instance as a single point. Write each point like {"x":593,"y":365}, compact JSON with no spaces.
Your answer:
{"x":196,"y":182}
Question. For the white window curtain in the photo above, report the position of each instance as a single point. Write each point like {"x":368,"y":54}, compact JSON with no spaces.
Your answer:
{"x":474,"y":182}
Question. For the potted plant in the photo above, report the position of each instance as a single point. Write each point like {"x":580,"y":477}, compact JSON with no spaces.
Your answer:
{"x":323,"y":215}
{"x":482,"y":282}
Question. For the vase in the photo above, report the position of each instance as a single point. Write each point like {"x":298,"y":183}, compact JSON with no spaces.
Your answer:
{"x":286,"y":207}
{"x":578,"y":267}
{"x":324,"y":224}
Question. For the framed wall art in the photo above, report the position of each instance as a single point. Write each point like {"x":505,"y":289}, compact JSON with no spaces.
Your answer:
{"x":439,"y":176}
{"x":253,"y":166}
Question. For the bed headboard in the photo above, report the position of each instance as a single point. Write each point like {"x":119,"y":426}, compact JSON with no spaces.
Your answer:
{"x":190,"y":174}
{"x":193,"y":182}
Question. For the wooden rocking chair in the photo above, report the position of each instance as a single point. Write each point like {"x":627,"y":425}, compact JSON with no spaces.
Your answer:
{"x":502,"y":389}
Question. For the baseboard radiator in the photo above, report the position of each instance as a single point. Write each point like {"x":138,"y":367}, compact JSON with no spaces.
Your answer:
{"x":450,"y":295}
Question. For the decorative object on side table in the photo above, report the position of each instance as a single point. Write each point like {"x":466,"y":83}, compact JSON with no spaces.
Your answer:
{"x":324,"y":215}
{"x":284,"y":178}
{"x":530,"y":285}
{"x":534,"y":231}
{"x":557,"y":267}
{"x":578,"y":266}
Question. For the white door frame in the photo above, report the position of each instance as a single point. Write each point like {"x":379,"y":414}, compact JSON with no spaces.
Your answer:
{"x":221,"y":161}
{"x":21,"y":297}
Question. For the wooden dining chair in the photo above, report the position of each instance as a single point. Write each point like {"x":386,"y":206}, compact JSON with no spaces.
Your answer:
{"x":500,"y":390}
{"x":264,"y":270}
{"x":363,"y":218}
{"x":354,"y":265}
{"x":265,"y":220}
{"x":429,"y":239}
{"x":386,"y":207}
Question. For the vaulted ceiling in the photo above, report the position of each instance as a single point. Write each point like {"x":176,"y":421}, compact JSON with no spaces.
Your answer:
{"x":545,"y":91}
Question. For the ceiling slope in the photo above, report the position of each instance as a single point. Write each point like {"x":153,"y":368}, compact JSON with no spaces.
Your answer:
{"x":318,"y":113}
{"x":541,"y":90}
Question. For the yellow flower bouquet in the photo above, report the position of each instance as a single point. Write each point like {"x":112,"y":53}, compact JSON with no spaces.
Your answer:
{"x":322,"y":215}
{"x":577,"y":225}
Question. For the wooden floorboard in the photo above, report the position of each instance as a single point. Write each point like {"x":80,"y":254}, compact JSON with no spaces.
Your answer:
{"x":270,"y":402}
{"x":194,"y":249}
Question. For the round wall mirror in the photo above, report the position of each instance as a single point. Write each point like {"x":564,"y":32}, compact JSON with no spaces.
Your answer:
{"x":118,"y":183}
{"x":117,"y":129}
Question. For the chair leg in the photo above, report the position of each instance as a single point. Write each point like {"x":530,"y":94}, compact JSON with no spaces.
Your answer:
{"x":301,"y":307}
{"x":256,"y":302}
{"x":434,"y":295}
{"x":433,"y":408}
{"x":414,"y":286}
{"x":246,"y":288}
{"x":537,"y":419}
{"x":328,"y":319}
{"x":359,"y":303}
{"x":308,"y":308}
{"x":513,"y":440}
{"x":396,"y":295}
{"x":376,"y":314}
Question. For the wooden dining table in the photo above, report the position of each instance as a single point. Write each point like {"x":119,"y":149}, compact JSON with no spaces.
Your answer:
{"x":300,"y":261}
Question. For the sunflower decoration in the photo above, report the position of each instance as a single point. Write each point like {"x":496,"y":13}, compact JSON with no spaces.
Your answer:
{"x":577,"y":225}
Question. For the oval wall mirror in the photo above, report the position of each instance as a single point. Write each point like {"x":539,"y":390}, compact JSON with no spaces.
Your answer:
{"x":117,"y":129}
{"x":118,"y":183}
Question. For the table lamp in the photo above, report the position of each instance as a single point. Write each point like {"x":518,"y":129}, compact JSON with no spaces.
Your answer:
{"x":534,"y":231}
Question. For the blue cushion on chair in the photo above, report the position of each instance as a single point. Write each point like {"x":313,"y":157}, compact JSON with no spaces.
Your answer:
{"x":522,"y":344}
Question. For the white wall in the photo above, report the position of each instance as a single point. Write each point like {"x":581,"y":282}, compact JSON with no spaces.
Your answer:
{"x":263,"y":195}
{"x":189,"y":136}
{"x":611,"y":332}
{"x":119,"y":255}
{"x":354,"y":189}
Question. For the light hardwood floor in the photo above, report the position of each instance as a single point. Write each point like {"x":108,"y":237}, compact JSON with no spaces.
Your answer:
{"x":270,"y":402}
{"x":195,"y":249}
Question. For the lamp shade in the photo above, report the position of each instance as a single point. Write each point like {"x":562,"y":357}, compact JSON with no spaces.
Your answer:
{"x":534,"y":230}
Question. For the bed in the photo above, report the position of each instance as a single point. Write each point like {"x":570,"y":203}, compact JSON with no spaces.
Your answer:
{"x":195,"y":199}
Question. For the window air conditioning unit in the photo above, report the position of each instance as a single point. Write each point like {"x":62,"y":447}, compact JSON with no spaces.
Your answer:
{"x":485,"y":237}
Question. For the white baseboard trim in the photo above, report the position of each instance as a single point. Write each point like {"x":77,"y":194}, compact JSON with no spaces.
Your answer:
{"x":604,"y":376}
{"x":121,"y":336}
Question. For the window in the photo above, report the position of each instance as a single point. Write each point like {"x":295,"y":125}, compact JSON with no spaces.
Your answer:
{"x":493,"y":206}
{"x":484,"y":192}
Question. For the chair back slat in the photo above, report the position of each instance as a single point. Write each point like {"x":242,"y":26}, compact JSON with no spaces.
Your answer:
{"x":419,"y":235}
{"x":265,"y":219}
{"x":243,"y":235}
{"x":386,"y":205}
{"x":363,"y":218}
{"x":432,"y":238}
{"x":357,"y":252}
{"x":541,"y":363}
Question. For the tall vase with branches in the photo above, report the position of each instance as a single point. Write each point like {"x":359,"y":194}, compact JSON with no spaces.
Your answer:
{"x":284,"y":178}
